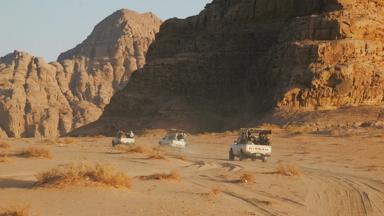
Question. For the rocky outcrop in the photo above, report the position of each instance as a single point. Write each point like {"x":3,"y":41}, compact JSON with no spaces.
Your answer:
{"x":345,"y":69}
{"x":239,"y":59}
{"x":41,"y":99}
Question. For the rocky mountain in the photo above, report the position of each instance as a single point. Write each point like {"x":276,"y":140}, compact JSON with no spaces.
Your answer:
{"x":51,"y":99}
{"x":240,"y":59}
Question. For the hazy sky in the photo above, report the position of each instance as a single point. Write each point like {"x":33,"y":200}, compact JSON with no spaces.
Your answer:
{"x":45,"y":28}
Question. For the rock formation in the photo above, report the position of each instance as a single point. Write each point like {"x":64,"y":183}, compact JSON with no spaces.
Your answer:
{"x":238,"y":59}
{"x":41,"y":99}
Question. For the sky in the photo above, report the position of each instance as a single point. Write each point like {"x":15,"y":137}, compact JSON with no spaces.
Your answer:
{"x":45,"y":28}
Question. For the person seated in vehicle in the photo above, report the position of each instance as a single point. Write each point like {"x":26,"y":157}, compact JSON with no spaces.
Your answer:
{"x":253,"y":139}
{"x":180,"y":136}
{"x":131,"y":135}
{"x":264,"y":140}
{"x":242,"y":139}
{"x":120,"y":134}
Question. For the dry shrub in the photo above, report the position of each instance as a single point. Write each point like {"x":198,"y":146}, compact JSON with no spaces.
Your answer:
{"x":172,"y":176}
{"x":83,"y":174}
{"x":247,"y":178}
{"x":5,"y":145}
{"x":215,"y":191}
{"x":372,"y":168}
{"x":33,"y":152}
{"x":157,"y":156}
{"x":139,"y":149}
{"x":65,"y":141}
{"x":48,"y":142}
{"x":15,"y":211}
{"x":161,"y":149}
{"x":287,"y":170}
{"x":3,"y":157}
{"x":133,"y":149}
{"x":152,"y":154}
{"x":181,"y":157}
{"x":166,"y":150}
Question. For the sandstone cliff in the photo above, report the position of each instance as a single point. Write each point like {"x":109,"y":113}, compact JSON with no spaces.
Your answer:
{"x":41,"y":99}
{"x":239,"y":59}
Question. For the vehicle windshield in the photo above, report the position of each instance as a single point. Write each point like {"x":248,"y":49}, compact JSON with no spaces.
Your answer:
{"x":180,"y":136}
{"x":172,"y":136}
{"x":176,"y":136}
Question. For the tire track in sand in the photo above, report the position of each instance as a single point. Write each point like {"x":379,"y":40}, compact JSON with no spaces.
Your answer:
{"x":341,"y":194}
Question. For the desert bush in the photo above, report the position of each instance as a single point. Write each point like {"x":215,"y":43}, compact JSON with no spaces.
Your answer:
{"x":157,"y":156}
{"x":172,"y":176}
{"x":3,"y":157}
{"x":133,"y":149}
{"x":372,"y":168}
{"x":181,"y":157}
{"x":247,"y":178}
{"x":65,"y":141}
{"x":48,"y":142}
{"x":287,"y":170}
{"x":215,"y":191}
{"x":15,"y":211}
{"x":83,"y":174}
{"x":163,"y":149}
{"x":33,"y":152}
{"x":5,"y":145}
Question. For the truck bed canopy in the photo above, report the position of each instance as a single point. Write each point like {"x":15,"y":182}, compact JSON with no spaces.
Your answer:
{"x":256,"y":130}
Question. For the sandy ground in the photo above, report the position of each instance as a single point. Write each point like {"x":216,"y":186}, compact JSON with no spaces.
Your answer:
{"x":338,"y":176}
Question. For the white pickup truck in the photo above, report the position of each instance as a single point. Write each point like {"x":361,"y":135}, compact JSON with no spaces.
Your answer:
{"x":252,"y":143}
{"x":175,"y":140}
{"x":123,"y":139}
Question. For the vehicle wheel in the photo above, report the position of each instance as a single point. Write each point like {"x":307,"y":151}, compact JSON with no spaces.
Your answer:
{"x":254,"y":158}
{"x":242,"y":156}
{"x":264,"y":159}
{"x":231,"y":155}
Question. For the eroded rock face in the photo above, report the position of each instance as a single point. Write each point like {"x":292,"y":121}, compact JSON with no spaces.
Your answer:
{"x":241,"y":58}
{"x":345,"y":69}
{"x":41,"y":99}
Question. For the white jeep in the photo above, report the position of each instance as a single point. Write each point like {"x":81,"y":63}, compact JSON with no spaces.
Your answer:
{"x":123,"y":139}
{"x":252,"y":143}
{"x":176,"y":140}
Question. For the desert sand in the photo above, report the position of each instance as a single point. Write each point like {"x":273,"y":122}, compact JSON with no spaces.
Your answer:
{"x":331,"y":174}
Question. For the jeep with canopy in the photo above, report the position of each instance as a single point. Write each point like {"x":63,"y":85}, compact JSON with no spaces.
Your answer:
{"x":175,"y":138}
{"x":252,"y":143}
